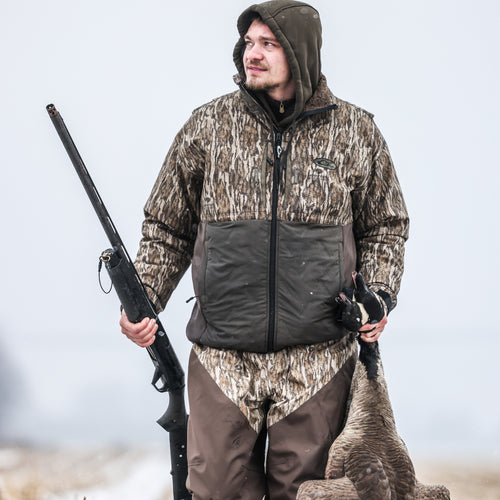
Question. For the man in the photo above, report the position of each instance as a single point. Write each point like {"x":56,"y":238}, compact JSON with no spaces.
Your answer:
{"x":276,"y":194}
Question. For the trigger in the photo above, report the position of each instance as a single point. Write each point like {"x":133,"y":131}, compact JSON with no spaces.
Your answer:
{"x":156,"y":377}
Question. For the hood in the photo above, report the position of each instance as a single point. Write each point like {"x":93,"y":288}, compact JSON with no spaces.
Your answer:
{"x":297,"y":27}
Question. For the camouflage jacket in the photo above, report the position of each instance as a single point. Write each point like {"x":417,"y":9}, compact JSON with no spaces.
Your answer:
{"x":273,"y":221}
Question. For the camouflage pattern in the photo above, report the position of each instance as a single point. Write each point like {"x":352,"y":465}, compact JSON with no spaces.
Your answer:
{"x":289,"y":377}
{"x":220,"y":168}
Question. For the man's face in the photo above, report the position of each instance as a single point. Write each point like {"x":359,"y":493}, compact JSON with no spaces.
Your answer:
{"x":266,"y":67}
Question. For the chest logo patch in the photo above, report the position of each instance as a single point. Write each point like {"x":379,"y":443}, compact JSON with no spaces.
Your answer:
{"x":325,"y":163}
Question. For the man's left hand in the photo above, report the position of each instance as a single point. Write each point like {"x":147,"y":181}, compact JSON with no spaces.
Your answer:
{"x":371,"y":332}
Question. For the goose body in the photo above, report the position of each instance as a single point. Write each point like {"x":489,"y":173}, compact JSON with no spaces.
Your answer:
{"x":369,"y":460}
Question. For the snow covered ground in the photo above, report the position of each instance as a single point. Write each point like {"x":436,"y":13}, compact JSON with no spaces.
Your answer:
{"x":98,"y":474}
{"x":144,"y":474}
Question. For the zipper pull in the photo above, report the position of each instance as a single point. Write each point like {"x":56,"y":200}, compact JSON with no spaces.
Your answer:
{"x":279,"y":149}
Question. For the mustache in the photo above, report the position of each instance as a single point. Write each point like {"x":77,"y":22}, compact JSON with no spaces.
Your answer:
{"x":255,"y":64}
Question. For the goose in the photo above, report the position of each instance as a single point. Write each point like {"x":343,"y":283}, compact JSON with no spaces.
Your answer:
{"x":369,"y":460}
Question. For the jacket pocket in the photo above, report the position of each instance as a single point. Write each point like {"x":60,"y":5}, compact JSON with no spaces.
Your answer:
{"x":233,"y":281}
{"x":310,"y":275}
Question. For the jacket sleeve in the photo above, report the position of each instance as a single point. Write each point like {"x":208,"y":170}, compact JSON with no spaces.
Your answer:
{"x":381,"y":223}
{"x":171,"y":218}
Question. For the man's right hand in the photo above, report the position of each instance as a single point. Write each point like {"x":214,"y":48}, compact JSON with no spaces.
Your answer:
{"x":142,"y":333}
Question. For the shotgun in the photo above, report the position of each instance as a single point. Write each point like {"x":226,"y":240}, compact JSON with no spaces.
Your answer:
{"x":168,"y":373}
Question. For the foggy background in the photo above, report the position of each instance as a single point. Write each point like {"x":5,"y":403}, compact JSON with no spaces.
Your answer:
{"x":125,"y":76}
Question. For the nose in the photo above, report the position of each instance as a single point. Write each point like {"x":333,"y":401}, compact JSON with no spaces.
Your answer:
{"x":253,"y":53}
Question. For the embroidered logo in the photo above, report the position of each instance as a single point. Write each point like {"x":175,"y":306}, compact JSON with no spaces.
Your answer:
{"x":325,"y":163}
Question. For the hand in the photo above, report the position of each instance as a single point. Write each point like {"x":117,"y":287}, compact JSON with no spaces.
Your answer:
{"x":371,"y":332}
{"x":142,"y":333}
{"x":362,"y":310}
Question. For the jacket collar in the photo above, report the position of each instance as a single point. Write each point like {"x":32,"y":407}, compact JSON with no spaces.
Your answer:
{"x":321,"y":100}
{"x":322,"y":97}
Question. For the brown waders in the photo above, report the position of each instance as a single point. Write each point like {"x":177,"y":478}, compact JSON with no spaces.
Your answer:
{"x":297,"y":397}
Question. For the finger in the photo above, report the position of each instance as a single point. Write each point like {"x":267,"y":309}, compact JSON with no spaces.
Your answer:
{"x":367,"y":328}
{"x":149,"y":336}
{"x":126,"y":324}
{"x":373,"y":334}
{"x":146,"y":343}
{"x":371,"y":337}
{"x":136,"y":328}
{"x":140,"y":336}
{"x":142,"y":341}
{"x":147,"y":330}
{"x":383,"y":321}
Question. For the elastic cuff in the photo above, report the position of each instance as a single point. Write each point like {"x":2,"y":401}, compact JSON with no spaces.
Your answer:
{"x":386,"y":298}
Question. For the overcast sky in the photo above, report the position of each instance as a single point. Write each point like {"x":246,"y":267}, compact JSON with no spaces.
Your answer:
{"x":125,"y":76}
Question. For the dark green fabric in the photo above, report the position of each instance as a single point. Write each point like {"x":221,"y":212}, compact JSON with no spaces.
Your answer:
{"x":297,"y":27}
{"x":232,"y":285}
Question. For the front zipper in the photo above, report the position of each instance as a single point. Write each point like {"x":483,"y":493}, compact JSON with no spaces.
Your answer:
{"x":277,"y":174}
{"x":272,"y":245}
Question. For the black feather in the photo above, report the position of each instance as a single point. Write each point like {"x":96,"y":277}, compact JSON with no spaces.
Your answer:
{"x":369,"y":355}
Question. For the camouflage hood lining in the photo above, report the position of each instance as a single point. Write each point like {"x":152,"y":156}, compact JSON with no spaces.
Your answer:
{"x":297,"y":27}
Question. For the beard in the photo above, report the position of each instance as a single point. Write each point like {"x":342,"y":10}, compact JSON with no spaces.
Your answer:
{"x":260,"y":86}
{"x":268,"y":81}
